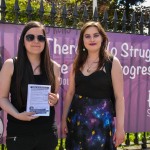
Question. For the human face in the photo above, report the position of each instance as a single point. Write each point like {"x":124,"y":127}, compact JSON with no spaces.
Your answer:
{"x":92,"y":39}
{"x":34,"y":41}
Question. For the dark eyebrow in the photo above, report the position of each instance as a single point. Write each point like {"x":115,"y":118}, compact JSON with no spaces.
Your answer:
{"x":93,"y":34}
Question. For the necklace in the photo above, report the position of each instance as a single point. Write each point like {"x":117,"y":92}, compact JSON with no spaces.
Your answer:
{"x":36,"y":68}
{"x":89,"y":66}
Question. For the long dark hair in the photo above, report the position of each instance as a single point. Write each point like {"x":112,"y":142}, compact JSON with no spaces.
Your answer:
{"x":82,"y":55}
{"x":1,"y":62}
{"x":24,"y":70}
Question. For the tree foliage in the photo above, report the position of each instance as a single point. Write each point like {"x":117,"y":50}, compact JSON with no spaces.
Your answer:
{"x":59,"y":5}
{"x":11,"y":13}
{"x":103,"y":5}
{"x":131,"y":2}
{"x":127,"y":4}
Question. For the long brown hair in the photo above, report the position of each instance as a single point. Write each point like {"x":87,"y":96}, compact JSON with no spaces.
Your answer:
{"x":23,"y":66}
{"x":82,"y":55}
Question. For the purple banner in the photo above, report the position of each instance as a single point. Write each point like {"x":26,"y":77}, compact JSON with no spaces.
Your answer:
{"x":133,"y":52}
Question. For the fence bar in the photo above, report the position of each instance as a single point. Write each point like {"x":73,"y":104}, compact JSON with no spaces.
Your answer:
{"x":141,"y":23}
{"x":29,"y":11}
{"x":149,"y":26}
{"x":144,"y":141}
{"x":133,"y":23}
{"x":75,"y":16}
{"x":136,"y":140}
{"x":3,"y":10}
{"x":127,"y":142}
{"x":115,"y":21}
{"x":124,"y":21}
{"x":85,"y":14}
{"x":95,"y":16}
{"x":61,"y":143}
{"x":41,"y":11}
{"x":53,"y":13}
{"x":2,"y":147}
{"x":16,"y":10}
{"x":105,"y":20}
{"x":71,"y":19}
{"x":64,"y":15}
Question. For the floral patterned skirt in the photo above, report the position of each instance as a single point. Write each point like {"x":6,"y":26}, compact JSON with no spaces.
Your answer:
{"x":90,"y":124}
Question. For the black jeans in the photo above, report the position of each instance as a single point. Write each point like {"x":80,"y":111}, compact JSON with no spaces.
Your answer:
{"x":39,"y":142}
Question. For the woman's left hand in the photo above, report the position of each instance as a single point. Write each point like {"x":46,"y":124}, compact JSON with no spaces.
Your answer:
{"x":119,"y":137}
{"x":53,"y":99}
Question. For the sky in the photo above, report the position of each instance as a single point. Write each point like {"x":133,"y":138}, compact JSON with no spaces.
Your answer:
{"x":146,"y":3}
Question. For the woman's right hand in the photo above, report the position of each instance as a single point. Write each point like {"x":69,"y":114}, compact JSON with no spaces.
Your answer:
{"x":26,"y":116}
{"x":64,"y":127}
